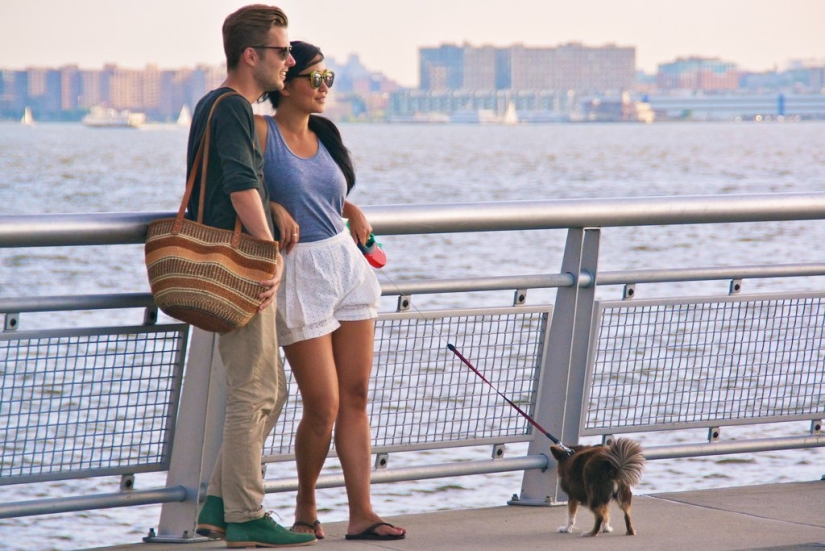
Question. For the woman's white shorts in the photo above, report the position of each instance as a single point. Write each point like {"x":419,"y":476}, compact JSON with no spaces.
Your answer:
{"x":325,"y":282}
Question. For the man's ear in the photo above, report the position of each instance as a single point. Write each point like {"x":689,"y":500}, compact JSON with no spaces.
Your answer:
{"x":250,"y":56}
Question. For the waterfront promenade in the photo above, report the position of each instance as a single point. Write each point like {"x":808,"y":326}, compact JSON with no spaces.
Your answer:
{"x":776,"y":517}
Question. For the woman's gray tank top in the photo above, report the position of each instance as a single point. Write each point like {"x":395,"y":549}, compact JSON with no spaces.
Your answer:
{"x":312,"y":190}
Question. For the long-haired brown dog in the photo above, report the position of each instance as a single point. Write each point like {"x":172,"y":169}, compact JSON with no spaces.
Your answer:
{"x":594,"y":475}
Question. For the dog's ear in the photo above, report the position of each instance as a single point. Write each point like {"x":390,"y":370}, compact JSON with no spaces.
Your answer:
{"x":558,"y":453}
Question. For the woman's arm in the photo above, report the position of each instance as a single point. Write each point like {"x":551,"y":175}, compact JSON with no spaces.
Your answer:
{"x":261,"y":130}
{"x":359,"y":226}
{"x":287,"y":226}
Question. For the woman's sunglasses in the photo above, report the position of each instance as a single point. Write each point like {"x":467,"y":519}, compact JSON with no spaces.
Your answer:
{"x":316,"y":78}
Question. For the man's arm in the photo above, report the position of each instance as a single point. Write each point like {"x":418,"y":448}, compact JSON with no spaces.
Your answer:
{"x":248,"y":206}
{"x":250,"y":210}
{"x":235,"y":144}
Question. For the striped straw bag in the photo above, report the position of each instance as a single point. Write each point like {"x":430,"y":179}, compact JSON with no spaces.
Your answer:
{"x":207,"y":277}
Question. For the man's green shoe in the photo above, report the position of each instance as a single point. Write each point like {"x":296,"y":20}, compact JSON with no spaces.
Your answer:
{"x":264,"y":532}
{"x":210,"y":519}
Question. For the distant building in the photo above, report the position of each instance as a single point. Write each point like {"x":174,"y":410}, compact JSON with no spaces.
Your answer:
{"x":570,"y":67}
{"x":43,"y":90}
{"x":699,"y":74}
{"x":807,"y":74}
{"x":126,"y":89}
{"x":532,"y":68}
{"x":441,"y":68}
{"x":91,"y":89}
{"x":359,"y":94}
{"x":70,"y":87}
{"x":479,"y":69}
{"x":645,"y":82}
{"x":13,"y":94}
{"x":458,"y":83}
{"x":352,"y":76}
{"x":69,"y":92}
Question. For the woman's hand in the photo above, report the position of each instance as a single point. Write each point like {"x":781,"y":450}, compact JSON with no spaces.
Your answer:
{"x":287,"y":227}
{"x":270,"y":286}
{"x":359,"y":226}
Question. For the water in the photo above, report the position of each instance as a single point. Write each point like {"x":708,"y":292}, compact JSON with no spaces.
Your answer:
{"x":71,"y":169}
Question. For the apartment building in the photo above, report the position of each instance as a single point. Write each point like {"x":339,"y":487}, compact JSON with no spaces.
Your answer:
{"x":698,"y":74}
{"x":479,"y":69}
{"x":442,"y":68}
{"x":67,"y":92}
{"x":575,"y":67}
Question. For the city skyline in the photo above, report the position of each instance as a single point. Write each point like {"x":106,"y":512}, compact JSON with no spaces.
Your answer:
{"x":757,"y":35}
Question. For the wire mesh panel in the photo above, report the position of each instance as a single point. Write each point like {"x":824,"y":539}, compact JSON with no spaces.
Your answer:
{"x":96,"y":401}
{"x":423,"y":397}
{"x":669,"y":364}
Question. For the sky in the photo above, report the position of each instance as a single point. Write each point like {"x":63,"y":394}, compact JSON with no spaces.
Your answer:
{"x":758,"y":35}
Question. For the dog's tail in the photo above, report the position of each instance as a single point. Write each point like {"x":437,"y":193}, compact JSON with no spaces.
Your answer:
{"x":626,"y":456}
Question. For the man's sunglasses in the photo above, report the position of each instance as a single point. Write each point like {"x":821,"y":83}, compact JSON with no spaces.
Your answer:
{"x":283,"y":51}
{"x":316,"y":78}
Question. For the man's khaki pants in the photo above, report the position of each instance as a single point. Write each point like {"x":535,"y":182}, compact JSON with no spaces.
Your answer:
{"x":255,"y":395}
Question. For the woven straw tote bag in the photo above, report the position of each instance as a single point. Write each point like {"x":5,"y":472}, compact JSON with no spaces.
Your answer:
{"x":207,"y":277}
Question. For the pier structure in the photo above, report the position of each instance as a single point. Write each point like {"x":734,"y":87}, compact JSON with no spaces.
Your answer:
{"x":121,"y":400}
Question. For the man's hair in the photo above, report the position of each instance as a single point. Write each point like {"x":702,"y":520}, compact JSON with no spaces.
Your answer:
{"x":249,"y":26}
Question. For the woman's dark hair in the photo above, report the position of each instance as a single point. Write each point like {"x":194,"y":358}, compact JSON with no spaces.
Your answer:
{"x":306,"y":54}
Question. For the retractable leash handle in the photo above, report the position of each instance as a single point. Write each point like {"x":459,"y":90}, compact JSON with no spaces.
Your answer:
{"x":373,"y":252}
{"x":532,"y":421}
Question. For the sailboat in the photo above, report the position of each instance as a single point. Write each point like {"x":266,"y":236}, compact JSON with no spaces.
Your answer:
{"x":510,"y":116}
{"x":28,"y":118}
{"x":185,"y":117}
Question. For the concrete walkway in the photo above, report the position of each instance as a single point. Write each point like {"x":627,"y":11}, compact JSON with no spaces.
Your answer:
{"x":776,"y":517}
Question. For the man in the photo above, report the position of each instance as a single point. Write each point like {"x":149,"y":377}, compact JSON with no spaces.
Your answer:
{"x":257,"y":58}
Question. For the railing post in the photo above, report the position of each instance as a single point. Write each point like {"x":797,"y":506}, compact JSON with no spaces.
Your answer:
{"x":561,"y":382}
{"x":198,"y":436}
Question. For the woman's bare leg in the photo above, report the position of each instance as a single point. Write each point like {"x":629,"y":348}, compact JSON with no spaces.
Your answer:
{"x":352,"y":345}
{"x":313,"y":367}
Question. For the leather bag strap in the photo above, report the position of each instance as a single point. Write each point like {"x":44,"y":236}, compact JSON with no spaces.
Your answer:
{"x":202,"y":159}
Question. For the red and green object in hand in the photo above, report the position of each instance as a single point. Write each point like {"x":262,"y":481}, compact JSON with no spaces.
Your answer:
{"x":373,"y":252}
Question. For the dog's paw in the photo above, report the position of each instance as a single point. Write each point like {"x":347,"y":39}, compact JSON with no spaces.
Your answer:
{"x":631,"y":533}
{"x":565,"y":529}
{"x":606,"y":528}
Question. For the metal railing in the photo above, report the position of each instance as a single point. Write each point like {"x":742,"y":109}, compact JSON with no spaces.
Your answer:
{"x":581,"y":366}
{"x":89,"y":402}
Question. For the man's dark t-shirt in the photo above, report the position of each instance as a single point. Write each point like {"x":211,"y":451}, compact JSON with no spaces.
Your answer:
{"x":235,"y":160}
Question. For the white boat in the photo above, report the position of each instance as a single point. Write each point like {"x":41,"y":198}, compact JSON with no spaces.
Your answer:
{"x":106,"y":117}
{"x":185,"y":116}
{"x":27,"y":119}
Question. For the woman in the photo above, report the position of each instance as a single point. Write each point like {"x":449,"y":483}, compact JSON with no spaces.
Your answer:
{"x":328,"y":299}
